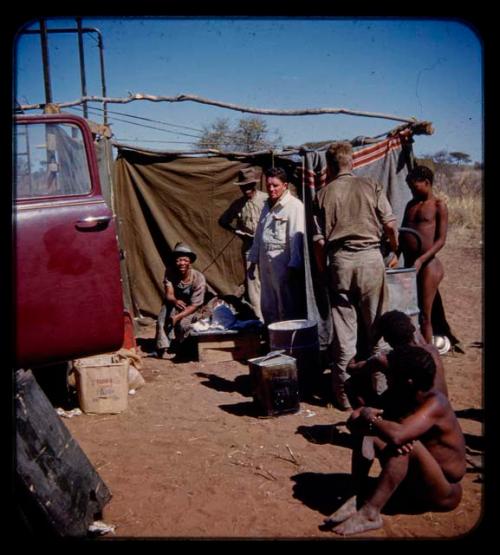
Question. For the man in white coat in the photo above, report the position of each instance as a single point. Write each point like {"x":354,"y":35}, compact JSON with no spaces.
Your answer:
{"x":278,"y":251}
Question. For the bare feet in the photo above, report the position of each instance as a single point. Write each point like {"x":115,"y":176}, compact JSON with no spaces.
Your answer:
{"x":342,"y":513}
{"x":359,"y":522}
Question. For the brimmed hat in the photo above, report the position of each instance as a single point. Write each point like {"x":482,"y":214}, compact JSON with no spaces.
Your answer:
{"x":181,"y":249}
{"x":247,"y":176}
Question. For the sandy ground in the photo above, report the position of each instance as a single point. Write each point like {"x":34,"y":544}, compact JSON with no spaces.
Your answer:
{"x":190,"y":458}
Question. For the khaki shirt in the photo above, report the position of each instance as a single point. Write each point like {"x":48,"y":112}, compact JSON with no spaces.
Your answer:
{"x":349,"y":213}
{"x":246,"y":212}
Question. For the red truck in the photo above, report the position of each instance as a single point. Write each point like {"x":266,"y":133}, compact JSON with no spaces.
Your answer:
{"x":68,"y":292}
{"x":68,"y":304}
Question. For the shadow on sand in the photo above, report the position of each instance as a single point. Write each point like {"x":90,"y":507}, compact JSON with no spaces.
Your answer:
{"x":471,"y":414}
{"x":241,"y":384}
{"x":324,"y":493}
{"x":323,"y":434}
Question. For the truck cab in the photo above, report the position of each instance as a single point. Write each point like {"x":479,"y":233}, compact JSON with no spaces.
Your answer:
{"x":68,"y":292}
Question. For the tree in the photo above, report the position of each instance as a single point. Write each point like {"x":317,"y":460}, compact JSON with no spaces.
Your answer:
{"x":251,"y":134}
{"x":440,"y":157}
{"x":460,"y":157}
{"x":443,"y":157}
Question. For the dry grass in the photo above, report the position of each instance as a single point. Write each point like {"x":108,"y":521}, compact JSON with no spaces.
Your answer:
{"x":462,"y":191}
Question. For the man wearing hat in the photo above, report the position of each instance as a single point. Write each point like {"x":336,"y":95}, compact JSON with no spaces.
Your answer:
{"x":184,"y":294}
{"x":241,"y":218}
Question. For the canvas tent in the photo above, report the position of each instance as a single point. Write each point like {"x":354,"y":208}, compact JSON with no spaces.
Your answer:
{"x":163,"y":198}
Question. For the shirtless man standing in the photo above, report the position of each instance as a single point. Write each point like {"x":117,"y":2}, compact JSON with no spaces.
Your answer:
{"x":428,"y":216}
{"x":417,"y":439}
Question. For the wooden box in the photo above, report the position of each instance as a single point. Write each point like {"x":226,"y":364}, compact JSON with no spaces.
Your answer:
{"x":275,"y":383}
{"x":228,"y":345}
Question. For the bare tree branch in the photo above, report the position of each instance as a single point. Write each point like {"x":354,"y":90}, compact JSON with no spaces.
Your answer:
{"x":194,"y":98}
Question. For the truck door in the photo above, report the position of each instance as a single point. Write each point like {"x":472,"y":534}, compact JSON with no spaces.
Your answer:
{"x":68,"y":294}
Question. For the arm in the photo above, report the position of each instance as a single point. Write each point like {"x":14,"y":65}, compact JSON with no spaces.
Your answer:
{"x":196,"y":300}
{"x":189,"y":309}
{"x":410,"y":428}
{"x":319,"y":237}
{"x":320,"y":255}
{"x":253,"y":255}
{"x":229,"y":216}
{"x":440,"y":234}
{"x":389,"y":223}
{"x":391,"y":230}
{"x":169,"y":290}
{"x":296,"y":235}
{"x":375,"y":363}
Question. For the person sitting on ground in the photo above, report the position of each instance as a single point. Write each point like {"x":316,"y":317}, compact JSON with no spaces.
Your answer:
{"x":418,"y":441}
{"x":367,"y":377}
{"x":185,"y":290}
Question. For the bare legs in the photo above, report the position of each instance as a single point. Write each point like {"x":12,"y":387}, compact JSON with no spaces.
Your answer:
{"x":421,"y":473}
{"x":429,"y":277}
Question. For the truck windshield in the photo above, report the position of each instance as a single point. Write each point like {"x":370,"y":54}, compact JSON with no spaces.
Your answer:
{"x":50,"y":161}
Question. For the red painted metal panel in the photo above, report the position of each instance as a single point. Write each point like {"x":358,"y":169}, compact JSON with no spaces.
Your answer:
{"x":67,"y":271}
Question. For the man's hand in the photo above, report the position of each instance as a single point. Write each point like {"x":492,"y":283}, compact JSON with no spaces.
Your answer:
{"x":392,"y":261}
{"x":180,"y":305}
{"x":242,"y":233}
{"x":370,"y":414}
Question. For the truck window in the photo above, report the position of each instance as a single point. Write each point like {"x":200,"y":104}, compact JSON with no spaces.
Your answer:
{"x":50,"y":161}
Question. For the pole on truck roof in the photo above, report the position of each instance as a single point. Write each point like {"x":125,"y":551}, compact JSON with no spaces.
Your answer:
{"x":45,"y":61}
{"x":82,"y":65}
{"x":101,"y":55}
{"x":103,"y":79}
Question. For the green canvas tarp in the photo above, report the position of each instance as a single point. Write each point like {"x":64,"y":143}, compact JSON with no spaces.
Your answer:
{"x":162,"y":199}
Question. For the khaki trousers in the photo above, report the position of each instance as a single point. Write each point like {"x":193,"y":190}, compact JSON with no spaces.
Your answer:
{"x":357,"y":281}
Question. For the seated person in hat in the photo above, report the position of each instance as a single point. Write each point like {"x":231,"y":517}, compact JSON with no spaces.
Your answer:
{"x":242,"y":218}
{"x":185,"y":290}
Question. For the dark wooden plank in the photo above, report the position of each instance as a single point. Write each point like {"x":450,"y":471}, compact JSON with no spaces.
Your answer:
{"x":51,"y":467}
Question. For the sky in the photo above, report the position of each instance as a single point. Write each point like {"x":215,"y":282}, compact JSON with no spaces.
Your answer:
{"x":431,"y":69}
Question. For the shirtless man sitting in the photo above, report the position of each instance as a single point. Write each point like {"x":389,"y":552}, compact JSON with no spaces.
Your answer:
{"x":428,"y":216}
{"x":397,"y":329}
{"x":417,"y":439}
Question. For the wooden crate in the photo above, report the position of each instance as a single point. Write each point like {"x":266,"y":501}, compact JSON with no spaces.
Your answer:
{"x":224,"y":347}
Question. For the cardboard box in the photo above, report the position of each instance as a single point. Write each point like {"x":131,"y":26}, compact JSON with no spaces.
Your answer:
{"x":102,"y":385}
